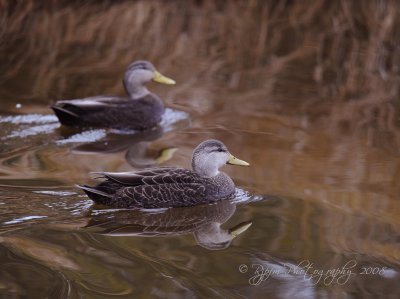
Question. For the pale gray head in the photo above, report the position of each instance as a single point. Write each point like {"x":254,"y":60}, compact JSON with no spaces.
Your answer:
{"x":210,"y":155}
{"x":137,"y":74}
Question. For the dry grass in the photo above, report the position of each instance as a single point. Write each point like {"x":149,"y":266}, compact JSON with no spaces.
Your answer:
{"x":299,"y":57}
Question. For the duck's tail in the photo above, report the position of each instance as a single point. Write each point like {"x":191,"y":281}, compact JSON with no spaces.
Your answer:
{"x":95,"y":194}
{"x":66,"y":117}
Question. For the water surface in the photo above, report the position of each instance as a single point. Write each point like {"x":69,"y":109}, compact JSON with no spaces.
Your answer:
{"x":315,"y":198}
{"x":321,"y":192}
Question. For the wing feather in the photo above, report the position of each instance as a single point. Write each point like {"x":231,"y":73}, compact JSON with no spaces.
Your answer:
{"x":109,"y":111}
{"x":156,"y":176}
{"x":159,"y":196}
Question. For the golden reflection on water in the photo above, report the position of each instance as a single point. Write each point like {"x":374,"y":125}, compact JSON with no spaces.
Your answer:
{"x":322,"y":141}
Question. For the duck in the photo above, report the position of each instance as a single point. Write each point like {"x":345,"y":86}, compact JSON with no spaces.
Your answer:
{"x":140,"y":110}
{"x":170,"y":187}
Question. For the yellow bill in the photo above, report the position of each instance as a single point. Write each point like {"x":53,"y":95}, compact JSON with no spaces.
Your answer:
{"x":240,"y":228}
{"x":158,"y":77}
{"x":166,"y":154}
{"x":235,"y":161}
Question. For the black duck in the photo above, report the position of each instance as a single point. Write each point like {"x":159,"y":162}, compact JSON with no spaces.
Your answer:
{"x":140,"y":110}
{"x":170,"y":186}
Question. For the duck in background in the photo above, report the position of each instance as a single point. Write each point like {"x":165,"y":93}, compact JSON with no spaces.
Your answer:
{"x":140,"y":110}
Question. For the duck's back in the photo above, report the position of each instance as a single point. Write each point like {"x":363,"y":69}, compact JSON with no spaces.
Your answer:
{"x":160,"y":188}
{"x":111,"y":112}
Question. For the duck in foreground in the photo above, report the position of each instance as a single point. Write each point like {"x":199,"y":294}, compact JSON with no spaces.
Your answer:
{"x":166,"y":187}
{"x":140,"y":110}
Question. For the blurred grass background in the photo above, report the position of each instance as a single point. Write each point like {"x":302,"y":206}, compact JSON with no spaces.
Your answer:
{"x":334,"y":63}
{"x":307,"y":54}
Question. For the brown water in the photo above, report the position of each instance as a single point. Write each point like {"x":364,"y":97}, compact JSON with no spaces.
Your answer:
{"x":321,"y":192}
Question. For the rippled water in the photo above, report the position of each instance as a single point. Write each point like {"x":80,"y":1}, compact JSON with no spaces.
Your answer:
{"x":320,"y":201}
{"x":316,"y":202}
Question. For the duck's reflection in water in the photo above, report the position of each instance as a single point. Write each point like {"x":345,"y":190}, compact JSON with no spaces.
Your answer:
{"x":139,"y":152}
{"x":203,"y":221}
{"x":138,"y":145}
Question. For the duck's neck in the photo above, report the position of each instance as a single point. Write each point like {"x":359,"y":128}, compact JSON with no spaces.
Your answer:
{"x":204,"y":168}
{"x":135,"y":90}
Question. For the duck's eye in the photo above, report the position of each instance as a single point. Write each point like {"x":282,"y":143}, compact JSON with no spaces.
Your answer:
{"x":221,"y":150}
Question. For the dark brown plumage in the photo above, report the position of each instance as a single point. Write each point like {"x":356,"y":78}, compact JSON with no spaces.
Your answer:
{"x":139,"y":110}
{"x":111,"y":112}
{"x":160,"y":188}
{"x":170,"y":186}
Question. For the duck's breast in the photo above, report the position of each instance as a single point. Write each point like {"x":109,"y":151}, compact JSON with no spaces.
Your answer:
{"x":220,"y":186}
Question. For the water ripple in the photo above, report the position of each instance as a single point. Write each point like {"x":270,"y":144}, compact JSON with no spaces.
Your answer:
{"x":33,"y":131}
{"x":86,"y":136}
{"x":23,"y":219}
{"x":29,"y":119}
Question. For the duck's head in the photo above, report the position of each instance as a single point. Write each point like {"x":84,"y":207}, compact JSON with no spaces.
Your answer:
{"x":210,"y":155}
{"x":140,"y":72}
